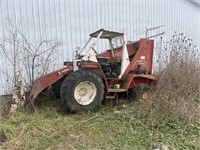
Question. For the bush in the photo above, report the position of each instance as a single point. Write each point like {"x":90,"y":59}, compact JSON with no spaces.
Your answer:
{"x":177,"y":93}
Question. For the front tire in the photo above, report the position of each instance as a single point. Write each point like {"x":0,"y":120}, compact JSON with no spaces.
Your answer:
{"x":82,"y":90}
{"x":56,"y":87}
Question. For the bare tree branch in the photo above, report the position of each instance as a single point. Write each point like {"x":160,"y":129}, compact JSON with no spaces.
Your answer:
{"x":32,"y":60}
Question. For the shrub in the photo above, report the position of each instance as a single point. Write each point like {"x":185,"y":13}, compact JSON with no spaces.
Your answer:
{"x":177,"y":93}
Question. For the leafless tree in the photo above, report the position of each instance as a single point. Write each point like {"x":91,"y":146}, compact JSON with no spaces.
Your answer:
{"x":25,"y":58}
{"x":31,"y":60}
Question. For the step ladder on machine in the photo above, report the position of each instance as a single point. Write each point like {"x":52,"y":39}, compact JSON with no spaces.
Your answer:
{"x":112,"y":93}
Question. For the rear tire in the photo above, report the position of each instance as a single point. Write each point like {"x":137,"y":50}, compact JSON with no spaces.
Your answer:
{"x":82,"y":90}
{"x":139,"y":92}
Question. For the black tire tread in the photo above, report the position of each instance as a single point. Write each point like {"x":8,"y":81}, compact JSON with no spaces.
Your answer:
{"x":137,"y":91}
{"x":69,"y":84}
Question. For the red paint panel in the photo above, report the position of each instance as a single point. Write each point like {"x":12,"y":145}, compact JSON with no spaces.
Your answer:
{"x":143,"y":57}
{"x":44,"y":81}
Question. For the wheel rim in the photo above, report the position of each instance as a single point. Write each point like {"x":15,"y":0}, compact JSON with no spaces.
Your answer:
{"x":85,"y":93}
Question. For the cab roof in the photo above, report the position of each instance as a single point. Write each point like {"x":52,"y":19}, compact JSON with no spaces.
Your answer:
{"x":106,"y":34}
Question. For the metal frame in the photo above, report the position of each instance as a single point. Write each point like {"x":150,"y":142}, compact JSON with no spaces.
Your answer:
{"x":154,"y":28}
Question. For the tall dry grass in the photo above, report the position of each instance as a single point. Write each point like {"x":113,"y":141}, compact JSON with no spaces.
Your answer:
{"x":177,"y":93}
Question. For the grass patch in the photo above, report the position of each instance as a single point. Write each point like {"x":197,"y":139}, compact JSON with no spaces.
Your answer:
{"x":127,"y":126}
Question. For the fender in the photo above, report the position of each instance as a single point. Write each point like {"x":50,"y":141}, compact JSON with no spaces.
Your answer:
{"x":45,"y":81}
{"x":133,"y":80}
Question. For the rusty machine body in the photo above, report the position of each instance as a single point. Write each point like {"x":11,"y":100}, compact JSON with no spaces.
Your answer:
{"x":92,"y":77}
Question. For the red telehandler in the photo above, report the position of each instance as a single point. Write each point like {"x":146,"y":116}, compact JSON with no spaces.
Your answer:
{"x":92,"y":77}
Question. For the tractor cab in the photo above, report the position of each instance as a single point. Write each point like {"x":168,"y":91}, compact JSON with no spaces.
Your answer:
{"x":114,"y":64}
